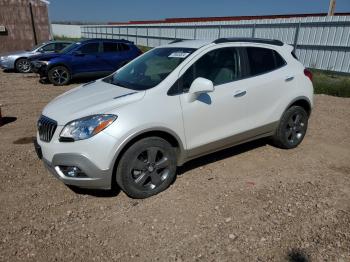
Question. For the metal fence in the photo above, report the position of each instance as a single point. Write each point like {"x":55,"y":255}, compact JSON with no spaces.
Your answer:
{"x":70,"y":31}
{"x":320,"y":42}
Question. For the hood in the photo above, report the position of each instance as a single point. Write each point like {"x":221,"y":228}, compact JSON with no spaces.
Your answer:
{"x":44,"y":57}
{"x":89,"y":99}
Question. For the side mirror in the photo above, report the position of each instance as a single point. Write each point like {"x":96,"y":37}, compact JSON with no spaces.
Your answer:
{"x":199,"y":86}
{"x":41,"y":50}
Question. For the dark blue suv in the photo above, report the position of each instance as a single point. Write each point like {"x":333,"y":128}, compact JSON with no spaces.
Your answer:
{"x":88,"y":58}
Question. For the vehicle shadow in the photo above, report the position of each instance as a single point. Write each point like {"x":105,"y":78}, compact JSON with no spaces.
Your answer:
{"x":79,"y":80}
{"x":83,"y":80}
{"x":7,"y":120}
{"x":217,"y":156}
{"x":24,"y":140}
{"x":222,"y":154}
{"x":96,"y":192}
{"x":8,"y":71}
{"x":296,"y":255}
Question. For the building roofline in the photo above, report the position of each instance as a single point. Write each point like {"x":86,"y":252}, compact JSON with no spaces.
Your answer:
{"x":223,"y":18}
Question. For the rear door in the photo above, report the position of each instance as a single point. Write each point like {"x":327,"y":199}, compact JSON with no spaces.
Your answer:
{"x":265,"y":82}
{"x":114,"y":55}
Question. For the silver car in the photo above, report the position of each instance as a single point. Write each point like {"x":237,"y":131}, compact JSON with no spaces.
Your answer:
{"x":19,"y":60}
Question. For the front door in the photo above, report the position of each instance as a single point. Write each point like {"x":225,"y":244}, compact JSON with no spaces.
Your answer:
{"x":214,"y":118}
{"x":85,"y":59}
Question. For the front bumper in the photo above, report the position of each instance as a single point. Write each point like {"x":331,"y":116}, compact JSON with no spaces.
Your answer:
{"x":6,"y":64}
{"x":39,"y":68}
{"x":94,"y":178}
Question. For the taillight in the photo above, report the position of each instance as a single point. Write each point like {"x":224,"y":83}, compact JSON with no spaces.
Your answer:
{"x":308,"y":73}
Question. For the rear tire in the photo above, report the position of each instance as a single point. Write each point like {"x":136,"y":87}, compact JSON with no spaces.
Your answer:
{"x":147,"y":168}
{"x":292,"y":128}
{"x":23,"y":65}
{"x":59,"y":75}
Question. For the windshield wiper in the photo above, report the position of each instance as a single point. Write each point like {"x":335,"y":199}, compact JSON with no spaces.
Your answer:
{"x":110,"y":80}
{"x":118,"y":84}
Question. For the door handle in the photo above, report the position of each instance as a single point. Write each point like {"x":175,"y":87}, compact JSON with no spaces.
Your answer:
{"x":240,"y":93}
{"x":289,"y":78}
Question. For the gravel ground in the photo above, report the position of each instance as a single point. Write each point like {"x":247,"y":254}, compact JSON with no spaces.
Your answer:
{"x":249,"y":203}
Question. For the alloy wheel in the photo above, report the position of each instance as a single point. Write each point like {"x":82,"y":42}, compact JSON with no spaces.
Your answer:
{"x":150,"y":168}
{"x":24,"y":66}
{"x":60,"y":76}
{"x":295,"y":128}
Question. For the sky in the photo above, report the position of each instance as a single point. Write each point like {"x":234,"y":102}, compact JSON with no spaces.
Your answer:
{"x":126,"y":10}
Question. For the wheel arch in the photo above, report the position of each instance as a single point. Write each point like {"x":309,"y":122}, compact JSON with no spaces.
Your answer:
{"x":302,"y":101}
{"x":60,"y":64}
{"x":16,"y":60}
{"x":164,"y":133}
{"x":21,"y":57}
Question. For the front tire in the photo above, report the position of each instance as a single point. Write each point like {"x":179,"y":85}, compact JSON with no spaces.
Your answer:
{"x":292,"y":128}
{"x":59,"y":75}
{"x":23,"y":65}
{"x":147,"y":168}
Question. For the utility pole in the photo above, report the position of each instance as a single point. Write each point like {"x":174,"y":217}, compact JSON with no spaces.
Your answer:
{"x":331,"y":9}
{"x":33,"y":23}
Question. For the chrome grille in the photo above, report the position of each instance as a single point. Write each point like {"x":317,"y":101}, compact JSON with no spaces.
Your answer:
{"x":46,"y":128}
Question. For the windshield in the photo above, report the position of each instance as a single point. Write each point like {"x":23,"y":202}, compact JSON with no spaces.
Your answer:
{"x":69,"y":48}
{"x":150,"y":69}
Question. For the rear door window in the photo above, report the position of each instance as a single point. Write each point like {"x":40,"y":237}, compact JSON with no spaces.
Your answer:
{"x":123,"y":47}
{"x":110,"y":47}
{"x":263,"y":60}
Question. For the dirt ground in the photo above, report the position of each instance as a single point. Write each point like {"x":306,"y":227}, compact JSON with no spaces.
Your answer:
{"x":250,"y":203}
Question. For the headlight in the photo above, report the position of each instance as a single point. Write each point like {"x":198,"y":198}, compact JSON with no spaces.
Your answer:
{"x":86,"y":127}
{"x":44,"y":62}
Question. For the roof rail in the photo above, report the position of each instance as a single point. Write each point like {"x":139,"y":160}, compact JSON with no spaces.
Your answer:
{"x":249,"y":40}
{"x":176,"y":41}
{"x":108,"y":39}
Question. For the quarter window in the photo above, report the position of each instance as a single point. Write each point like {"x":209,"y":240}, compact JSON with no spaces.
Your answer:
{"x":220,"y":66}
{"x":263,"y":60}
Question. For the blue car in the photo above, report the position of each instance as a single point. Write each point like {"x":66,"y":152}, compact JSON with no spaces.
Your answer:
{"x":88,"y":58}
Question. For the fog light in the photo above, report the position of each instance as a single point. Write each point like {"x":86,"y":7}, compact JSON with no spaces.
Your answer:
{"x":72,"y":171}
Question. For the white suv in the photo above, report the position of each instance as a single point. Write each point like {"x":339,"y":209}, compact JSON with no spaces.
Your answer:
{"x":172,"y":104}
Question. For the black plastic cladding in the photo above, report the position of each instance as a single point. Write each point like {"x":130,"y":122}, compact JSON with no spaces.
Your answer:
{"x":249,"y":40}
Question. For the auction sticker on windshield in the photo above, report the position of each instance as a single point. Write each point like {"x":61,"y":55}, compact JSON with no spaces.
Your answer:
{"x":179,"y":55}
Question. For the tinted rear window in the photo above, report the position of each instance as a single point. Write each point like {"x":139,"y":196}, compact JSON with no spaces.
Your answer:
{"x":123,"y":47}
{"x":263,"y":60}
{"x":110,"y":47}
